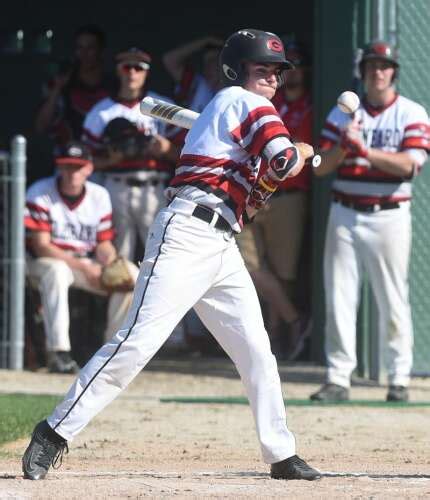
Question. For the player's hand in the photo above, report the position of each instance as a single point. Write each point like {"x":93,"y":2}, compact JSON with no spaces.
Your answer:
{"x":93,"y":272}
{"x":306,"y":150}
{"x":351,"y":139}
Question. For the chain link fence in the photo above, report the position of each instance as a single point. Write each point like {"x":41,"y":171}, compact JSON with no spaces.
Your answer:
{"x":414,"y":82}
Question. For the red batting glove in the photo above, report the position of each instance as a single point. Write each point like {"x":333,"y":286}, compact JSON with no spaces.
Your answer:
{"x":262,"y":191}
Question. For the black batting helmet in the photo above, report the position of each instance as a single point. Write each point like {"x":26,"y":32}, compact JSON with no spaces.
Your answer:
{"x":250,"y":45}
{"x":379,"y":50}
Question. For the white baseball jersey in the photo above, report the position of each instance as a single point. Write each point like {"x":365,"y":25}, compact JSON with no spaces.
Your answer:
{"x":78,"y":227}
{"x":107,"y":110}
{"x":221,"y":157}
{"x":403,"y":125}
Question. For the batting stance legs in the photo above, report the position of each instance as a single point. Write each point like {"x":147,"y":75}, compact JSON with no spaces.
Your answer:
{"x":186,"y":262}
{"x":379,"y":244}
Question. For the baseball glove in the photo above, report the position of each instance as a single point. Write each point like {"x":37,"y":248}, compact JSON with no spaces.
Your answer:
{"x":116,"y":277}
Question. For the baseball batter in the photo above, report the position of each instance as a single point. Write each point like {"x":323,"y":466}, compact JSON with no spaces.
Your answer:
{"x":191,"y":259}
{"x":376,"y":156}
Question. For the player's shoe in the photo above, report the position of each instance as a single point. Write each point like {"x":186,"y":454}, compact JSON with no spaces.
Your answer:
{"x":398,"y":393}
{"x":61,"y":362}
{"x":331,"y":393}
{"x":294,"y":468}
{"x":46,"y":448}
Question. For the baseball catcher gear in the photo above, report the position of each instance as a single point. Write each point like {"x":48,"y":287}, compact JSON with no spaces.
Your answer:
{"x":379,"y":50}
{"x":250,"y":45}
{"x":122,"y":135}
{"x":116,"y":277}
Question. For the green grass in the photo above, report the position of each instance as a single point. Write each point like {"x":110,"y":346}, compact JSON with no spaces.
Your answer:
{"x":297,"y":402}
{"x":20,"y":412}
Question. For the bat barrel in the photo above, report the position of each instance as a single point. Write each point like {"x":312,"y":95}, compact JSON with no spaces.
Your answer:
{"x":168,"y":112}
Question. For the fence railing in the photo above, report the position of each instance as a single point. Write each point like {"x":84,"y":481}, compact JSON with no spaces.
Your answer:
{"x":12,"y":254}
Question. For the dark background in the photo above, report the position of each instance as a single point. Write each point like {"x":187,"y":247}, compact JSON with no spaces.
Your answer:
{"x":156,"y":27}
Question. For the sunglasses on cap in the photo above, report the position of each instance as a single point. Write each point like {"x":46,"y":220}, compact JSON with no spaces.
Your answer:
{"x":138,"y":66}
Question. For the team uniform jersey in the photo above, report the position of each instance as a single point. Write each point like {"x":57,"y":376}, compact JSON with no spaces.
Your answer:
{"x":76,"y":227}
{"x":297,"y":116}
{"x":220,"y":161}
{"x":403,"y":125}
{"x":107,"y":110}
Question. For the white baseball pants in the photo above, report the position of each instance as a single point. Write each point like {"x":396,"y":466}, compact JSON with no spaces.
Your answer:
{"x":379,"y":244}
{"x":187,"y":263}
{"x":53,"y":278}
{"x":134,"y":209}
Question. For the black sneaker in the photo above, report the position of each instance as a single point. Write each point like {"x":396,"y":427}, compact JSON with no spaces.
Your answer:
{"x":398,"y":393}
{"x":331,"y":393}
{"x":293,"y":468}
{"x":62,"y":362}
{"x":46,"y":448}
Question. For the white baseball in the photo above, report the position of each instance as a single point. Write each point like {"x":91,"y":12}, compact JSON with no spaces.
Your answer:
{"x":348,"y":102}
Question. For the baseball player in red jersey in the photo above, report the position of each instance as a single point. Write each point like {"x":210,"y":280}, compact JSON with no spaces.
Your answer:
{"x":376,"y":156}
{"x":191,"y":259}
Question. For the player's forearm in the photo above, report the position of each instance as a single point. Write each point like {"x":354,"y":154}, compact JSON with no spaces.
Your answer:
{"x":54,"y":252}
{"x":330,"y":160}
{"x":174,"y":60}
{"x":105,"y":253}
{"x":400,"y":164}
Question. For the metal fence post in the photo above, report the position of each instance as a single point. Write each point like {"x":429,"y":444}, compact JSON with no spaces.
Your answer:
{"x":17,"y":257}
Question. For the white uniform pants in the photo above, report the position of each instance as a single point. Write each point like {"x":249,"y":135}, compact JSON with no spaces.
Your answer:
{"x":187,"y":262}
{"x":378,"y":243}
{"x":53,"y":278}
{"x":134,"y":209}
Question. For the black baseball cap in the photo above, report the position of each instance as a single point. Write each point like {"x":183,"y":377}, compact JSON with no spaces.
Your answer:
{"x":73,"y":153}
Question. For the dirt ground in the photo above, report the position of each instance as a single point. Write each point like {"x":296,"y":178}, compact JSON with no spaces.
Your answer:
{"x":140,"y":447}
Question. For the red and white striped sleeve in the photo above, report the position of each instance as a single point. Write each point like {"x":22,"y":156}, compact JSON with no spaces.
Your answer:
{"x":259,"y":124}
{"x":37,"y":213}
{"x":105,"y":230}
{"x":331,"y":131}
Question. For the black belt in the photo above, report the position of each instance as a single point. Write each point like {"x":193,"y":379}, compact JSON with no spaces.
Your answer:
{"x":207,"y":215}
{"x":362,"y":207}
{"x":137,"y":182}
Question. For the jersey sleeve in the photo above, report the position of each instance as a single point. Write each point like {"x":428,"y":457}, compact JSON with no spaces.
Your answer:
{"x":93,"y":128}
{"x":332,"y":129}
{"x":417,"y":129}
{"x":37,"y":211}
{"x":105,"y":230}
{"x":253,"y":123}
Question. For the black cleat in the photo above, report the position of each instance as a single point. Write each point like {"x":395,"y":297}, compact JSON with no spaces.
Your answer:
{"x":293,"y":468}
{"x":62,"y":362}
{"x":46,"y":448}
{"x":398,"y":393}
{"x":331,"y":393}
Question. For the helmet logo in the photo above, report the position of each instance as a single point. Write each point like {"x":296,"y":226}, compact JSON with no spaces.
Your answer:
{"x":229,"y":72}
{"x":275,"y":45}
{"x":381,"y":49}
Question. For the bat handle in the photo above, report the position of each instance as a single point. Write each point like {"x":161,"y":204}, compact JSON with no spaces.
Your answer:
{"x":316,"y":161}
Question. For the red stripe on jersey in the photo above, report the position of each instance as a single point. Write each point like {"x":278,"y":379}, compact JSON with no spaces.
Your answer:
{"x":37,"y":208}
{"x":36,"y":225}
{"x":106,"y":235}
{"x":91,"y":136}
{"x":106,"y":217}
{"x":332,"y":128}
{"x":364,"y":173}
{"x":326,"y":144}
{"x":203,"y":161}
{"x":416,"y":143}
{"x":263,"y":135}
{"x":240,"y":132}
{"x":369,"y":200}
{"x":423,"y":127}
{"x":67,"y":246}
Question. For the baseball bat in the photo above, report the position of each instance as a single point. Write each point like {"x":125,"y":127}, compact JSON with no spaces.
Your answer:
{"x":181,"y":117}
